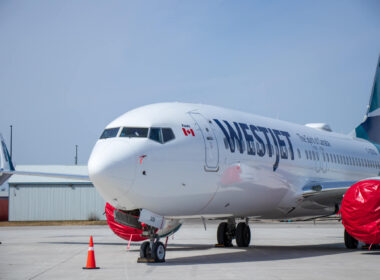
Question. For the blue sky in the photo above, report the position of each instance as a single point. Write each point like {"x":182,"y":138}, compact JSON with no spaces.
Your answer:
{"x":68,"y":68}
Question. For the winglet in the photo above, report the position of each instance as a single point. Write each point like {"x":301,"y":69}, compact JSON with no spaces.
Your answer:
{"x":5,"y":162}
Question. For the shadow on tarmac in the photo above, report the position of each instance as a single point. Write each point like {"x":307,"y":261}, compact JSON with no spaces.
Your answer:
{"x":372,"y":253}
{"x":86,"y":243}
{"x":254,"y":253}
{"x":136,"y":246}
{"x":235,"y":254}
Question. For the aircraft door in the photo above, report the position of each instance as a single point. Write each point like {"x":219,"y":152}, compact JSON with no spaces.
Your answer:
{"x":324,"y":162}
{"x":320,"y":161}
{"x":211,"y":144}
{"x":317,"y":156}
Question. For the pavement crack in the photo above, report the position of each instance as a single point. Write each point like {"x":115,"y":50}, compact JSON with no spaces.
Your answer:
{"x":55,"y":265}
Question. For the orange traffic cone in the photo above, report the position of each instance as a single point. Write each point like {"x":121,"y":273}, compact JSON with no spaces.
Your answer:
{"x":91,"y":256}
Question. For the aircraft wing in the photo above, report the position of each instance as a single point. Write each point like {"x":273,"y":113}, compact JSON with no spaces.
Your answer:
{"x":45,"y":174}
{"x":326,"y":193}
{"x":7,"y":169}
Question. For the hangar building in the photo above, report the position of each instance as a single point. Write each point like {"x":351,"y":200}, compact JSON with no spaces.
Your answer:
{"x":4,"y":202}
{"x":33,"y":198}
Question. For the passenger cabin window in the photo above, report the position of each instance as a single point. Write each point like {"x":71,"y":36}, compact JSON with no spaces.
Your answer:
{"x":136,"y":132}
{"x":110,"y":133}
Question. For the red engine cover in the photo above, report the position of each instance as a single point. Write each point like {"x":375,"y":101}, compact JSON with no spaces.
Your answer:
{"x":360,"y":211}
{"x":121,"y":230}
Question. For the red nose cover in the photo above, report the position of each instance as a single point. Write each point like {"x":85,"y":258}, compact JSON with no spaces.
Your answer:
{"x":121,"y":230}
{"x":360,"y":211}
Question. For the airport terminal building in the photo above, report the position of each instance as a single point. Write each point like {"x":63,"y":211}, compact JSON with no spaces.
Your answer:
{"x":33,"y":198}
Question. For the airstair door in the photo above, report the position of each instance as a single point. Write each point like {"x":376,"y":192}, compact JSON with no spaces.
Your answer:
{"x":211,"y":144}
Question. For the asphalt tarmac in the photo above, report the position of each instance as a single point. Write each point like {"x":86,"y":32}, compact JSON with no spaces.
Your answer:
{"x":278,"y":251}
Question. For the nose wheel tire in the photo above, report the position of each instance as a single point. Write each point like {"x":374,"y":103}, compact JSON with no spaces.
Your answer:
{"x":145,"y":251}
{"x":156,"y":254}
{"x":223,"y":235}
{"x":243,"y":235}
{"x":349,"y":241}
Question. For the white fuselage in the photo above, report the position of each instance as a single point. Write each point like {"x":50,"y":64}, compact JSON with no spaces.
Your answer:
{"x":222,"y":163}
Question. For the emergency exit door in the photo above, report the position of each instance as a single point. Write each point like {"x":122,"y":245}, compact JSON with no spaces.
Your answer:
{"x":211,"y":144}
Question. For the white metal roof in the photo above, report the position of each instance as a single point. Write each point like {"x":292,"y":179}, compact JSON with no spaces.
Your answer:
{"x":64,"y":169}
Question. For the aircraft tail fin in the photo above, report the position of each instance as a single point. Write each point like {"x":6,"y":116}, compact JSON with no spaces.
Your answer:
{"x":369,"y":129}
{"x":5,"y":162}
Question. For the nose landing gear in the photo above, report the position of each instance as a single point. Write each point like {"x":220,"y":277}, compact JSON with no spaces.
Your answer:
{"x":153,"y":250}
{"x":227,"y":231}
{"x":152,"y":253}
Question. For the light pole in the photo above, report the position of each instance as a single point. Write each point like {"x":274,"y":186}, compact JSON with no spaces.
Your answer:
{"x":76,"y":154}
{"x":11,"y":141}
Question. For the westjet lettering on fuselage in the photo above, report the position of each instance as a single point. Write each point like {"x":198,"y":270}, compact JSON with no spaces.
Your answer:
{"x":257,"y":140}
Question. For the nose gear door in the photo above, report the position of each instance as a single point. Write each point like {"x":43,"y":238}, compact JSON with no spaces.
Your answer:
{"x":211,"y":144}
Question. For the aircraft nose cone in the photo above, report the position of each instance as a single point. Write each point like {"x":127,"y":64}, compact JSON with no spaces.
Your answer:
{"x":111,"y":168}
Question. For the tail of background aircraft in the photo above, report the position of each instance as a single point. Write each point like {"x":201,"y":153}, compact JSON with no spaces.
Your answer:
{"x":5,"y":161}
{"x":369,"y":129}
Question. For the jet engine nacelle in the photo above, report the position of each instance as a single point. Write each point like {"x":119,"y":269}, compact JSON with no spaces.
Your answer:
{"x":126,"y":225}
{"x":360,"y":211}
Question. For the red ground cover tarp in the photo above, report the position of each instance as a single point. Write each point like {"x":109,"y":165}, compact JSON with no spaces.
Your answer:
{"x":121,"y":230}
{"x":360,"y":211}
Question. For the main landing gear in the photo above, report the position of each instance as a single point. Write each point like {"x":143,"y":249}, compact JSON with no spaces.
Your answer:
{"x":349,"y":241}
{"x":352,"y":243}
{"x":153,"y":250}
{"x":227,"y":231}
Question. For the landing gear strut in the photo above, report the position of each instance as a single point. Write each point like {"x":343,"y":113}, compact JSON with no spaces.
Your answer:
{"x":153,"y":250}
{"x":227,"y":231}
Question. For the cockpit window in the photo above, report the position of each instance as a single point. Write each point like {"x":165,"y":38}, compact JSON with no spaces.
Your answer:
{"x":109,"y":133}
{"x":140,"y":132}
{"x":167,"y":134}
{"x":161,"y":135}
{"x":155,"y":134}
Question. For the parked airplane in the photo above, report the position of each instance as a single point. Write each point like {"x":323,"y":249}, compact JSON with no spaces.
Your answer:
{"x":159,"y":164}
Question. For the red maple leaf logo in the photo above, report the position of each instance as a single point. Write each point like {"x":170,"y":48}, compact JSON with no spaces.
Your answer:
{"x":188,"y":131}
